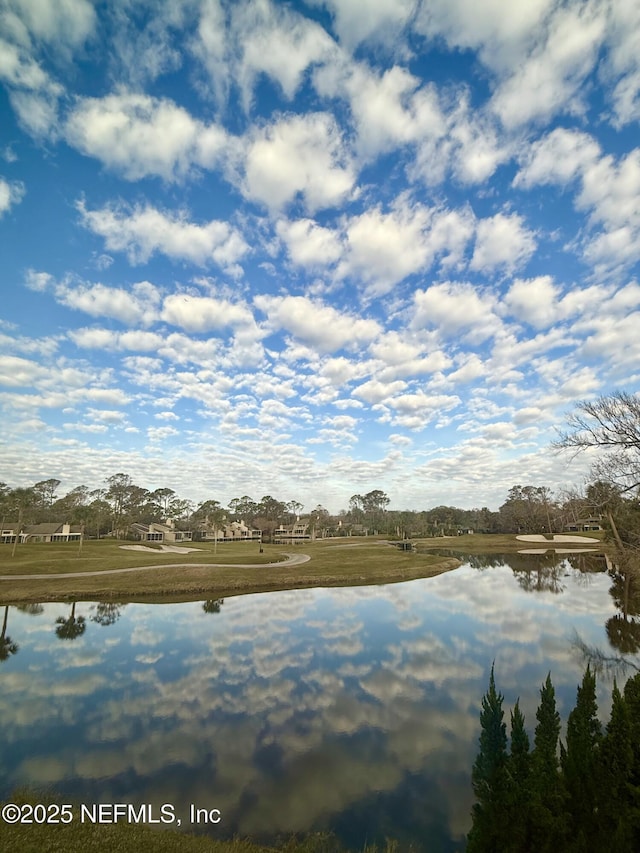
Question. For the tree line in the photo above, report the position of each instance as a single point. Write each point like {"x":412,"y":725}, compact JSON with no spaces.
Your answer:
{"x":579,"y":796}
{"x":610,"y":423}
{"x":121,"y":502}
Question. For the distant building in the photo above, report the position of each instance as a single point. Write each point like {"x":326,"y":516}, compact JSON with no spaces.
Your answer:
{"x":157,"y":532}
{"x":583,"y":525}
{"x":43,"y":532}
{"x":233,"y":531}
{"x":296,"y":532}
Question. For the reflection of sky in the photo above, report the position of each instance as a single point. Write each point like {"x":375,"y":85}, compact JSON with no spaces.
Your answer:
{"x":292,"y":711}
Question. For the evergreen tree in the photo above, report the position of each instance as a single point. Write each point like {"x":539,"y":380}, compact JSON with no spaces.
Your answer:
{"x":632,"y":702}
{"x":489,"y":777}
{"x":580,"y":761}
{"x":614,"y":793}
{"x":547,"y":802}
{"x":518,"y":795}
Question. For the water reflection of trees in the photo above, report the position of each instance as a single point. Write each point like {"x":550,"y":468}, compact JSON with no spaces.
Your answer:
{"x":107,"y":612}
{"x":212,"y":605}
{"x":7,"y":646}
{"x":72,"y":627}
{"x":544,"y":572}
{"x":623,"y":629}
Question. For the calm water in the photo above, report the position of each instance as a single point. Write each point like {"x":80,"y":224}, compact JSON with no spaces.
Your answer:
{"x":354,"y":710}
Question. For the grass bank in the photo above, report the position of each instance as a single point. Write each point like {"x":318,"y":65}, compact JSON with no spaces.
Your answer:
{"x":334,"y":562}
{"x":500,"y":543}
{"x":78,"y":837}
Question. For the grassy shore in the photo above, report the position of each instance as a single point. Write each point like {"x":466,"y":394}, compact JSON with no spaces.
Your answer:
{"x":78,"y":837}
{"x":334,"y":562}
{"x":347,"y":561}
{"x":500,"y":543}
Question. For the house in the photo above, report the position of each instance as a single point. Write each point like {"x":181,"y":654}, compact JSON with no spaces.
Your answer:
{"x":161,"y":532}
{"x":232,"y":531}
{"x":8,"y":532}
{"x":582,"y":525}
{"x":296,"y":532}
{"x":43,"y":532}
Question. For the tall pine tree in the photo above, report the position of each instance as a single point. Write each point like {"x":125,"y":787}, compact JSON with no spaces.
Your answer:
{"x":518,"y":793}
{"x":579,"y":766}
{"x":490,"y":829}
{"x":547,"y":801}
{"x":614,"y":801}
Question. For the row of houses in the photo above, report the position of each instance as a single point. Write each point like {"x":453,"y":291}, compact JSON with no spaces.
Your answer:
{"x":233,"y":531}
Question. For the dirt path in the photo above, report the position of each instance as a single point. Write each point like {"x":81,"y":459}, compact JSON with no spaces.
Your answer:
{"x":292,"y":560}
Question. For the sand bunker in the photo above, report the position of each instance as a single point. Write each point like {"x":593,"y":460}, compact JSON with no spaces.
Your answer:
{"x":173,"y":549}
{"x":558,"y":551}
{"x":557,"y":537}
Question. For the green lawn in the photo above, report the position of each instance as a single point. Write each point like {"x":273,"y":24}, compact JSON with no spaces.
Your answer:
{"x":346,"y":561}
{"x":334,"y":562}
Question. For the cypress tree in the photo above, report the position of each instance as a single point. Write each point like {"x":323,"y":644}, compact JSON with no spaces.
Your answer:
{"x":488,"y":832}
{"x":518,"y":795}
{"x":580,"y":761}
{"x":614,"y":792}
{"x":547,"y":802}
{"x":632,"y":702}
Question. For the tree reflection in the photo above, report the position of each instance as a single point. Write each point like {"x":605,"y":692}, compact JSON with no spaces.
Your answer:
{"x":107,"y":612}
{"x":31,"y":609}
{"x":7,"y":646}
{"x":623,"y":629}
{"x":213,"y":605}
{"x":601,"y":661}
{"x":72,"y":627}
{"x":542,"y":573}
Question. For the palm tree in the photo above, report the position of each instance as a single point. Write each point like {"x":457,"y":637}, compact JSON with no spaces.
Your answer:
{"x":71,"y":628}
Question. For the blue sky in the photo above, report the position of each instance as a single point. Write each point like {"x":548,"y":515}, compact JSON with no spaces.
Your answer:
{"x":313,"y":249}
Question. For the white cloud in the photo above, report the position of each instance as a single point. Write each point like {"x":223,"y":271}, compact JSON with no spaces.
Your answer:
{"x":279,"y":42}
{"x":204,"y":314}
{"x":550,"y":78}
{"x":501,"y":30}
{"x":27,"y":26}
{"x":318,"y":325}
{"x":308,"y":244}
{"x":375,"y":391}
{"x":11,"y":193}
{"x":356,"y":21}
{"x":415,"y":411}
{"x":299,"y":156}
{"x":453,"y":307}
{"x":139,"y":304}
{"x":608,"y":191}
{"x":534,"y":301}
{"x":502,"y":240}
{"x":623,"y":60}
{"x":138,"y":135}
{"x":58,"y":22}
{"x":143,"y":231}
{"x":387,"y":110}
{"x":384,"y":248}
{"x":558,"y":157}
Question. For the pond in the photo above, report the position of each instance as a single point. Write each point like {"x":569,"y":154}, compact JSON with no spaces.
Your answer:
{"x":353,"y":710}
